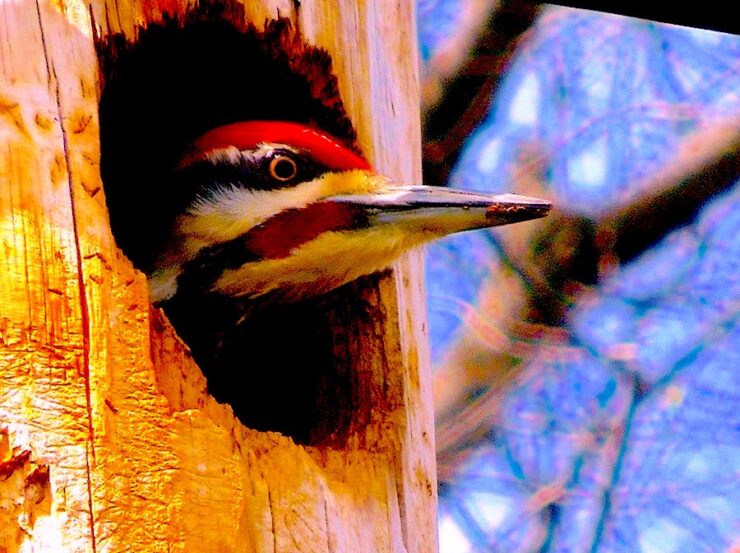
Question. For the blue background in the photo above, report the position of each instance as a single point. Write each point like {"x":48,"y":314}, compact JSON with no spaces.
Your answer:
{"x":624,"y":434}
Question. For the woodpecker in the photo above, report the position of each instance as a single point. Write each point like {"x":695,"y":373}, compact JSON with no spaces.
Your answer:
{"x":281,"y":211}
{"x":268,"y":213}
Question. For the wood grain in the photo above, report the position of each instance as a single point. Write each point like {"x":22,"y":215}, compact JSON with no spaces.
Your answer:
{"x":95,"y":386}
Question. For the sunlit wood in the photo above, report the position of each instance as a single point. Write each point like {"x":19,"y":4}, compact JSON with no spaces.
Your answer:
{"x":108,"y":439}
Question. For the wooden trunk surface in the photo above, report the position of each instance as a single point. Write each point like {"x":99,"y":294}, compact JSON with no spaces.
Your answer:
{"x":108,"y":438}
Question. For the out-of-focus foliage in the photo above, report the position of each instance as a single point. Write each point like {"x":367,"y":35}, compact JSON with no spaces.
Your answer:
{"x":447,"y":32}
{"x":598,"y":104}
{"x":626,"y":437}
{"x":621,"y":431}
{"x":437,"y":20}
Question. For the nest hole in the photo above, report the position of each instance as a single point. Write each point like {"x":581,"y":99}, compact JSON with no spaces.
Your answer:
{"x":178,"y":79}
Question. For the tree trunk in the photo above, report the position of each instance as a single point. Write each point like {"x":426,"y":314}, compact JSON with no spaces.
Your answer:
{"x":108,"y":438}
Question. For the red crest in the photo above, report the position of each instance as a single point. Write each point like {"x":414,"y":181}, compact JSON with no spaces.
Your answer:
{"x":246,"y":135}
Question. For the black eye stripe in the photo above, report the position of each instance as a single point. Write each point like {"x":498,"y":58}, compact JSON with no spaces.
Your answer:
{"x":245,"y":169}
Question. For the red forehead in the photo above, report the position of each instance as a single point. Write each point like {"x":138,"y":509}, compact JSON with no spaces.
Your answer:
{"x":246,"y":135}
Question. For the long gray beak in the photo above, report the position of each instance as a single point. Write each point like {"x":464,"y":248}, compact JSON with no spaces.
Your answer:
{"x":443,"y":210}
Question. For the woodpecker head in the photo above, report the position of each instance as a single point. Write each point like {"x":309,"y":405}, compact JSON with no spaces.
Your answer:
{"x":284,"y":211}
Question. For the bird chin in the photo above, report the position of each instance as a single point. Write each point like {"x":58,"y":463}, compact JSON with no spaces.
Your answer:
{"x":319,"y":266}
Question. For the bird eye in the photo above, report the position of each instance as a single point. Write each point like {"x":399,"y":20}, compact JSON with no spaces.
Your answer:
{"x":283,"y":168}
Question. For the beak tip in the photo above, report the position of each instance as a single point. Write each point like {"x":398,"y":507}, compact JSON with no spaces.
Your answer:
{"x":512,"y":208}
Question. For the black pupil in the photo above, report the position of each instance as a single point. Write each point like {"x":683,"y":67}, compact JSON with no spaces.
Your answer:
{"x":284,"y":168}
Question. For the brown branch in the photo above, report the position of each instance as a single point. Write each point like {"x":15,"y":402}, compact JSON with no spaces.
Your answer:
{"x":469,"y":94}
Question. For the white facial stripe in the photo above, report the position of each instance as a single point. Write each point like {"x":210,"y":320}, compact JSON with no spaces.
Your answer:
{"x":233,"y":155}
{"x":224,"y":155}
{"x":231,"y":211}
{"x":266,"y":148}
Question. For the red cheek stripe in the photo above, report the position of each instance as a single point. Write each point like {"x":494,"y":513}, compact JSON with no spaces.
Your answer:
{"x":279,"y":235}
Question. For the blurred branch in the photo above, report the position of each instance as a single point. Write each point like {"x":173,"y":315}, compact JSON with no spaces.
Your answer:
{"x":567,"y":252}
{"x":460,"y":430}
{"x":707,"y":163}
{"x":545,"y":265}
{"x":467,"y":97}
{"x":561,"y":257}
{"x":449,"y":58}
